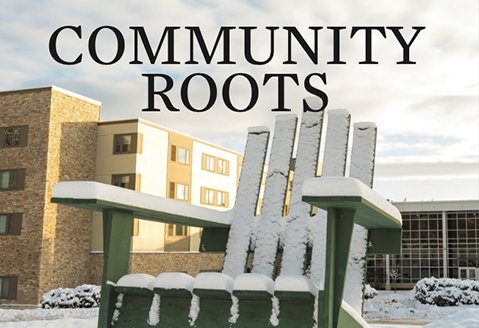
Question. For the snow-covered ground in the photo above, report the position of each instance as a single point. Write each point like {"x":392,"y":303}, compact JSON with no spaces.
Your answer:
{"x":387,"y":310}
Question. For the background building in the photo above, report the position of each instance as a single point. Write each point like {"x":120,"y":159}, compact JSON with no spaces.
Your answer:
{"x":47,"y":135}
{"x":146,"y":157}
{"x":440,"y":239}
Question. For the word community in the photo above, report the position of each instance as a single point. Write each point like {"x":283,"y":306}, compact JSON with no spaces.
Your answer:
{"x":227,"y":51}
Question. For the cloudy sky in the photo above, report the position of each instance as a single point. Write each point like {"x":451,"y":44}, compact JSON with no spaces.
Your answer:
{"x":427,"y":113}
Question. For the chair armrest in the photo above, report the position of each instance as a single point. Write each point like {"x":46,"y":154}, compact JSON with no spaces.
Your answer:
{"x":98,"y":196}
{"x":372,"y":210}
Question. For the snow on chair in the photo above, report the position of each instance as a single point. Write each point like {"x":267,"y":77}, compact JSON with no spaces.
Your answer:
{"x":311,"y":253}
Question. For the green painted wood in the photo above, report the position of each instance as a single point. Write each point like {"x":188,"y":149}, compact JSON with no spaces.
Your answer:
{"x":117,"y":226}
{"x":254,"y":313}
{"x":367,"y":214}
{"x":174,"y":312}
{"x":214,"y":312}
{"x":135,"y":308}
{"x":384,"y":241}
{"x":338,"y":240}
{"x":138,"y":212}
{"x":347,"y":321}
{"x":296,"y":314}
{"x":214,"y":239}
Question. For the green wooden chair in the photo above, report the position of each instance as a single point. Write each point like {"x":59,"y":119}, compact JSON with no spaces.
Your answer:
{"x":301,"y":262}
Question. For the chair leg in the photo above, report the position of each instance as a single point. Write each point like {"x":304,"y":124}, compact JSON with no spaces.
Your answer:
{"x":117,"y":226}
{"x":340,"y":226}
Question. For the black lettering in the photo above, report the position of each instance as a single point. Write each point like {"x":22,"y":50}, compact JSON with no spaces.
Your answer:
{"x":254,"y":92}
{"x":120,"y":43}
{"x":52,"y":45}
{"x":151,"y":93}
{"x":405,"y":46}
{"x":212,"y":90}
{"x":367,"y":31}
{"x":168,"y":34}
{"x":281,"y":78}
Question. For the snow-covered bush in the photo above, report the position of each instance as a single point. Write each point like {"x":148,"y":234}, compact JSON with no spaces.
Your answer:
{"x":369,"y":292}
{"x":447,"y":291}
{"x":84,"y":296}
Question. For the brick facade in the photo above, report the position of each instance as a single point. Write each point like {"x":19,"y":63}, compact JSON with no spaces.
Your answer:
{"x":54,"y":245}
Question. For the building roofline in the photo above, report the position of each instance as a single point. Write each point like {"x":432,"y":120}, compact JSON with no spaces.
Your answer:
{"x":440,"y":205}
{"x":164,"y":128}
{"x":58,"y":89}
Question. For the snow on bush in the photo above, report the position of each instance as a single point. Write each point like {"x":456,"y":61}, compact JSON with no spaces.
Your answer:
{"x":84,"y":296}
{"x":369,"y":292}
{"x":447,"y":291}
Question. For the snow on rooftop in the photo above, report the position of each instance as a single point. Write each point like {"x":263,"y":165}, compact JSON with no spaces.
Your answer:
{"x":255,"y":282}
{"x":141,"y":280}
{"x":174,"y":280}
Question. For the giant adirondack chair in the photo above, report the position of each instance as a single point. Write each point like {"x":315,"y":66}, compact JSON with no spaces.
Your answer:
{"x":301,"y":263}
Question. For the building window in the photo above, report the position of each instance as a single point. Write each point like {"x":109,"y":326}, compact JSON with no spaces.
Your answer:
{"x":214,"y":197}
{"x":10,"y":223}
{"x":12,"y":179}
{"x":8,"y":287}
{"x":14,"y":136}
{"x":129,"y":181}
{"x":127,"y":143}
{"x":215,"y":164}
{"x":176,"y":230}
{"x":179,"y":191}
{"x":180,"y":155}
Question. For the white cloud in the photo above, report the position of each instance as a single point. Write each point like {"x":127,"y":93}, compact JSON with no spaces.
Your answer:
{"x":436,"y":97}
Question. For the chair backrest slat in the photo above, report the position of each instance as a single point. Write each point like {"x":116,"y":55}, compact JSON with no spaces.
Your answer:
{"x":271,"y":218}
{"x":334,"y":164}
{"x":246,"y":202}
{"x":362,"y":168}
{"x":306,"y":165}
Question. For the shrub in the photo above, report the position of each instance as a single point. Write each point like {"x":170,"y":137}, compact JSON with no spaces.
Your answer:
{"x":447,"y":292}
{"x":84,"y":296}
{"x":369,"y":292}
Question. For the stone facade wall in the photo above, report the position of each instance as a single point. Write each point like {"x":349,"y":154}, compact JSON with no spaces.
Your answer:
{"x":72,"y":153}
{"x":20,"y":254}
{"x":156,"y":263}
{"x":54,"y":241}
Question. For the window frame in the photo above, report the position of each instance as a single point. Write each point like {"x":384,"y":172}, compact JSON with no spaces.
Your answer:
{"x":10,"y":291}
{"x":206,"y":195}
{"x":133,"y":183}
{"x":174,"y":229}
{"x":173,"y":191}
{"x":175,"y":151}
{"x":22,"y":138}
{"x":208,"y":160}
{"x":15,"y":183}
{"x":13,"y":224}
{"x":135,"y":146}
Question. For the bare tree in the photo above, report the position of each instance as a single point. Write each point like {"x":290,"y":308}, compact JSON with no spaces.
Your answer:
{"x":394,"y":275}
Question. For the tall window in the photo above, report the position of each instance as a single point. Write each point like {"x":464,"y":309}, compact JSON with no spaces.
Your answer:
{"x":8,"y":287}
{"x":127,"y":143}
{"x":215,"y":164}
{"x":12,"y":179}
{"x":128,"y":181}
{"x":14,"y":136}
{"x":214,"y":197}
{"x":179,"y":191}
{"x":180,"y":155}
{"x":10,"y":223}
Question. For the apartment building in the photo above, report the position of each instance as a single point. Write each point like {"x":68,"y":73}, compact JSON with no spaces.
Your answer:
{"x":440,"y":239}
{"x":46,"y":135}
{"x":49,"y":135}
{"x":149,"y":158}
